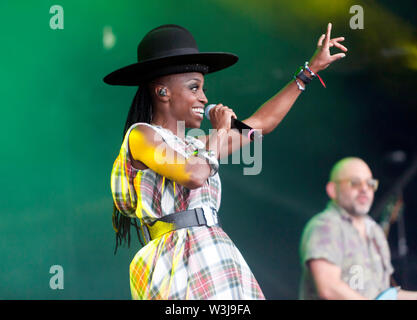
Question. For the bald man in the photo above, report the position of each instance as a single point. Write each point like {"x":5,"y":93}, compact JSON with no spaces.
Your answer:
{"x":344,"y":252}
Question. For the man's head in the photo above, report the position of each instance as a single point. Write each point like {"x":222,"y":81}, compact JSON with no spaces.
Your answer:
{"x":352,"y":186}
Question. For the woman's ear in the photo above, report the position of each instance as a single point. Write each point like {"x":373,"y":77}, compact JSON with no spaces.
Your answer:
{"x":331,"y":189}
{"x":161,"y":92}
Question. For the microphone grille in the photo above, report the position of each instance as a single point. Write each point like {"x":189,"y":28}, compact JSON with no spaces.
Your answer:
{"x":208,"y":108}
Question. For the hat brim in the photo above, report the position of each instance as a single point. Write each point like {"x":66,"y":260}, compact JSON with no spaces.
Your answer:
{"x":134,"y":74}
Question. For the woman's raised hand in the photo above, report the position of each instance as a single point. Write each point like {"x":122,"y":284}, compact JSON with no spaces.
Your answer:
{"x":322,"y":57}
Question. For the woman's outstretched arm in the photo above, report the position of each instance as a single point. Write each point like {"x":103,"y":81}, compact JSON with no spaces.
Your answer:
{"x":273,"y":111}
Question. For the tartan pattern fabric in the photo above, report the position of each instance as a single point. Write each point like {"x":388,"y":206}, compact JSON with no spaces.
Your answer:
{"x":122,"y":181}
{"x":189,"y":263}
{"x":196,"y":263}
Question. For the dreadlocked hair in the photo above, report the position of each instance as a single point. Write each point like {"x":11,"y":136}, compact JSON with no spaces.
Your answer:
{"x":140,"y":111}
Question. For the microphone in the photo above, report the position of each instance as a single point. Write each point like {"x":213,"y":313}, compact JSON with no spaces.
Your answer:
{"x":236,"y":124}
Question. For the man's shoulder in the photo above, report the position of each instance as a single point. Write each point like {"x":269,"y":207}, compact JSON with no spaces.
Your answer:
{"x":324,"y":222}
{"x":328,"y":215}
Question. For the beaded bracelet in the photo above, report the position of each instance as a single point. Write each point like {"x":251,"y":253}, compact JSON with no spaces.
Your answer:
{"x":306,"y":67}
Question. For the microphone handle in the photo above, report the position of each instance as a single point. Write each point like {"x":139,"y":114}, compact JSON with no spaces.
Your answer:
{"x":236,"y":124}
{"x":239,"y":125}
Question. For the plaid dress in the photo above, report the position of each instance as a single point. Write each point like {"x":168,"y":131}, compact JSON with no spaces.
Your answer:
{"x":190,"y":263}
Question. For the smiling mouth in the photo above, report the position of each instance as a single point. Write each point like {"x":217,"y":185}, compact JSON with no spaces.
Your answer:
{"x":199,"y":111}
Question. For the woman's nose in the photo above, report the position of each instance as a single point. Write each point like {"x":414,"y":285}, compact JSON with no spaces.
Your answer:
{"x":203,"y":97}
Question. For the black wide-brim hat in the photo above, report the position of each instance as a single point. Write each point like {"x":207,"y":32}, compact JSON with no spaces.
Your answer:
{"x":169,"y":49}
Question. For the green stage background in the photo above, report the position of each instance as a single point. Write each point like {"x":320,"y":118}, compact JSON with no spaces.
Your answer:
{"x":61,"y":129}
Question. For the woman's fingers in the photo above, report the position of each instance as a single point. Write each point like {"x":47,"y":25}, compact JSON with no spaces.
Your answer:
{"x":224,"y":112}
{"x":322,"y":58}
{"x":320,"y":42}
{"x":338,"y":39}
{"x":332,"y":42}
{"x":338,"y":45}
{"x":327,"y":38}
{"x":229,"y":111}
{"x":232,"y":113}
{"x":337,"y":56}
{"x":214,"y":110}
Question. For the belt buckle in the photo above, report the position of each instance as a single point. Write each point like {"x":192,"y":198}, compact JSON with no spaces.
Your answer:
{"x":211,"y":216}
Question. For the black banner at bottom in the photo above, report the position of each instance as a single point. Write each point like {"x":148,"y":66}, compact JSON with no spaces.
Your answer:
{"x":216,"y":309}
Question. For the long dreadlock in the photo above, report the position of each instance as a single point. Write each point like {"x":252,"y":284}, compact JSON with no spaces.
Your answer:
{"x":140,"y":111}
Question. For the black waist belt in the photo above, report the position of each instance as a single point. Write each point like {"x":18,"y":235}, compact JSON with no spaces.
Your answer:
{"x":178,"y":220}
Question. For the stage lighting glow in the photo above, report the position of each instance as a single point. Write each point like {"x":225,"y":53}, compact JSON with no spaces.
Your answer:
{"x":109,"y":39}
{"x":411,"y":55}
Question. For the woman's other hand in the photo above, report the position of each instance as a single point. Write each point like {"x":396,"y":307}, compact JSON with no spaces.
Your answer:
{"x":322,"y":57}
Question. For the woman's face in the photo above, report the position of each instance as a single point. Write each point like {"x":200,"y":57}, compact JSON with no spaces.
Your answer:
{"x":187,"y":98}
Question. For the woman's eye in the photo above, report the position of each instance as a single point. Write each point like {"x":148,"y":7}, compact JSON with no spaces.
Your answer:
{"x":196,"y":87}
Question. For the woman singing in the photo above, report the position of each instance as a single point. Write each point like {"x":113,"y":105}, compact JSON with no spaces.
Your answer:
{"x":169,"y":181}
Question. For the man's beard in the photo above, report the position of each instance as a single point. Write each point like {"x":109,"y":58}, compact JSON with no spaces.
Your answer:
{"x":355,"y":209}
{"x":358,"y":210}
